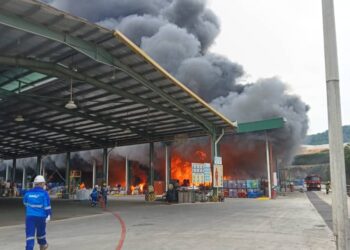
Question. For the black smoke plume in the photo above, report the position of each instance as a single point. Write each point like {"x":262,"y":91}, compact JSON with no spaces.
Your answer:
{"x":178,"y":34}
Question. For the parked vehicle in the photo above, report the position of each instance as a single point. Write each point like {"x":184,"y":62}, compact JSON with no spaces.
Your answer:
{"x":313,"y":182}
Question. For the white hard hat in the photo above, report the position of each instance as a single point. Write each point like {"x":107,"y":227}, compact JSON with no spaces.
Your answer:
{"x":39,"y":179}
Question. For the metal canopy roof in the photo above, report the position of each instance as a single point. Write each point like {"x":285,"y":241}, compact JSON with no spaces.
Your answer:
{"x":123,"y":96}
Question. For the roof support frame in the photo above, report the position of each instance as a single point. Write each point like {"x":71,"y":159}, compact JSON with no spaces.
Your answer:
{"x":6,"y":93}
{"x":49,"y":128}
{"x":98,"y":54}
{"x":60,"y":71}
{"x":38,"y":140}
{"x":29,"y":150}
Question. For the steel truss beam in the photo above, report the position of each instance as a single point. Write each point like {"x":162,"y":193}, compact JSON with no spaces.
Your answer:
{"x":98,"y":54}
{"x":60,"y":71}
{"x":49,"y":127}
{"x":103,"y":121}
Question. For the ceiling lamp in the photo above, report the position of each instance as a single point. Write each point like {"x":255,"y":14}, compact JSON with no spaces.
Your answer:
{"x":70,"y":104}
{"x":19,"y":118}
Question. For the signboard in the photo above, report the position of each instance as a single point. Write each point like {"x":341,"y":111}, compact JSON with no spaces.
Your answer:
{"x":197,"y":173}
{"x":201,"y":173}
{"x":207,"y":172}
{"x":75,"y":173}
{"x":218,"y":160}
{"x":218,"y":176}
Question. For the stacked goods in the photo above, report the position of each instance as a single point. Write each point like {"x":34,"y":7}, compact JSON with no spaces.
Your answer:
{"x":253,"y":189}
{"x":242,"y":184}
{"x":242,"y":193}
{"x":253,"y":184}
{"x":226,"y":192}
{"x":242,"y":188}
{"x":233,"y":193}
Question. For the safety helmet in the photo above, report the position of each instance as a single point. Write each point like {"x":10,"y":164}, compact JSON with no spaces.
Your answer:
{"x":39,"y":179}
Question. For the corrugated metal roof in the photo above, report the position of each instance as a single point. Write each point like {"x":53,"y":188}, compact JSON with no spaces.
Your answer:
{"x":123,"y":96}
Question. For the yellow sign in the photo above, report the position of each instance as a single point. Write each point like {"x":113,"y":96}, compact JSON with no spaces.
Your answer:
{"x":75,"y":173}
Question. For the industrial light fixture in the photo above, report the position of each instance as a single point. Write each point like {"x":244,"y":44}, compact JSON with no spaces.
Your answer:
{"x":19,"y":118}
{"x":70,"y":104}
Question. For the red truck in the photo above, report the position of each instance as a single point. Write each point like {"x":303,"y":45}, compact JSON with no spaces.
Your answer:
{"x":313,"y":182}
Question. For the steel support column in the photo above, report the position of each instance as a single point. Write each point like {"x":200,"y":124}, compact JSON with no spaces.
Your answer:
{"x":127,"y":175}
{"x":7,"y":175}
{"x":213,"y":154}
{"x":24,"y":178}
{"x":14,"y":165}
{"x":107,"y":172}
{"x":38,"y":165}
{"x":151,"y":164}
{"x":167,"y":166}
{"x":268,"y":165}
{"x":67,"y":183}
{"x":93,"y":173}
{"x":104,"y":162}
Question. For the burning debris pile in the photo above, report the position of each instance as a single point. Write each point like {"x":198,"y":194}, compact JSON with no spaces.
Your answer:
{"x":183,"y":155}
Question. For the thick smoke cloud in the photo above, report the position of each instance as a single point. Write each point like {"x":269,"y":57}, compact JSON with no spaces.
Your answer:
{"x":96,"y":11}
{"x":174,"y":45}
{"x":210,"y":76}
{"x":195,"y":18}
{"x":178,"y":34}
{"x":265,"y":99}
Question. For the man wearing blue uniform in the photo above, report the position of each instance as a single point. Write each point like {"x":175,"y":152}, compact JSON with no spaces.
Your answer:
{"x":38,"y":213}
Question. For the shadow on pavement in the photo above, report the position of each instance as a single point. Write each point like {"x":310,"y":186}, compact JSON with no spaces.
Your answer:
{"x":323,"y":208}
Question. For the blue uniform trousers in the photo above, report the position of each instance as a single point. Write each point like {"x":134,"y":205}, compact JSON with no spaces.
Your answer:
{"x":33,"y":224}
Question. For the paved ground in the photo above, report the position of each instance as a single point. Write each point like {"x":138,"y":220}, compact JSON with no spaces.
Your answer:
{"x":322,"y":207}
{"x":290,"y":222}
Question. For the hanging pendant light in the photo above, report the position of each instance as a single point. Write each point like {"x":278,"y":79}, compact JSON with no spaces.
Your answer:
{"x":19,"y":118}
{"x":70,"y":104}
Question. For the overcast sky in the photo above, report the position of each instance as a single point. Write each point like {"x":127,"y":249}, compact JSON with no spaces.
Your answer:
{"x":284,"y":38}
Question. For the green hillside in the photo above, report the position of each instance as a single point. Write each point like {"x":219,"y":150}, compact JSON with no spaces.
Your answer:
{"x":322,"y":138}
{"x":320,"y":163}
{"x":311,"y":159}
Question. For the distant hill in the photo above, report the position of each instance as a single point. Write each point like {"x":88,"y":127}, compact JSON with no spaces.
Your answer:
{"x":322,"y":138}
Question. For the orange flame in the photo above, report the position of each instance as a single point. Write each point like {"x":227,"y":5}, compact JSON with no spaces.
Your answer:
{"x":202,"y":155}
{"x":138,"y":187}
{"x":181,"y":168}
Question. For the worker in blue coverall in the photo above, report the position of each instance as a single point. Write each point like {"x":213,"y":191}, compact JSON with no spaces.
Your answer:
{"x":94,"y":196}
{"x":38,"y":213}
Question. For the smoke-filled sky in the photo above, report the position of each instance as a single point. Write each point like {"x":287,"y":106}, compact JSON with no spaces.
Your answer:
{"x":285,"y":38}
{"x":179,"y":35}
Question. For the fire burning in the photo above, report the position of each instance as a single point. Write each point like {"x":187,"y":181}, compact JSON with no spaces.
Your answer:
{"x":137,"y":189}
{"x":180,"y":169}
{"x":182,"y":159}
{"x":138,"y":177}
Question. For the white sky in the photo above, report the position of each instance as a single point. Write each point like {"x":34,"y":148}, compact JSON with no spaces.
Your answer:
{"x":285,"y":38}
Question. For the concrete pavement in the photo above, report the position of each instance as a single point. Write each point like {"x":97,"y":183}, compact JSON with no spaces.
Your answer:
{"x":290,"y":222}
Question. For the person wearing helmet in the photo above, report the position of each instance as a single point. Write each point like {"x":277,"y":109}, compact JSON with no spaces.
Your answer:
{"x":38,"y":213}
